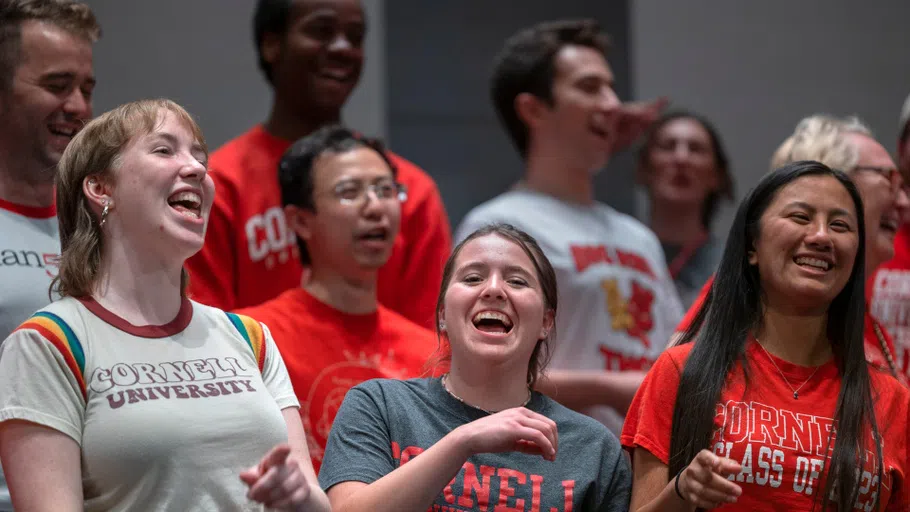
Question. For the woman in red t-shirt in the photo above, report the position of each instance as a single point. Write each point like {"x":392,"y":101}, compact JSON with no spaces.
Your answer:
{"x":784,"y":325}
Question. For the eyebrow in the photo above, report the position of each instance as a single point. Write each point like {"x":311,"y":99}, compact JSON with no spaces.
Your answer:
{"x":65,"y":75}
{"x":509,"y":269}
{"x":807,"y":206}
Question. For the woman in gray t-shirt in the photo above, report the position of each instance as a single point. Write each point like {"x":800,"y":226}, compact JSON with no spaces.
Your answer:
{"x":484,"y":438}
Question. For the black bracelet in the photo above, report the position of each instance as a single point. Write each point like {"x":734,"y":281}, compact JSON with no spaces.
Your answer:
{"x":676,"y":485}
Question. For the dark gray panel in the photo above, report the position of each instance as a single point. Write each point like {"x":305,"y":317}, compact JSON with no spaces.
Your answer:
{"x":439,"y":57}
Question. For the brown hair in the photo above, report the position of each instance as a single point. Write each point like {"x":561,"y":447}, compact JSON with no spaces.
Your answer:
{"x":74,"y":17}
{"x":545,"y":274}
{"x":527,"y":64}
{"x":95,"y":151}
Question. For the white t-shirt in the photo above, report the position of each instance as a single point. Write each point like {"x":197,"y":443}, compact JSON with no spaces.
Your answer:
{"x":166,"y":416}
{"x":618,"y":305}
{"x":29,"y":252}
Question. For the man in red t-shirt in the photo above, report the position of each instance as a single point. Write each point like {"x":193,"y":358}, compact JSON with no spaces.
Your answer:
{"x":888,"y":289}
{"x":344,"y":205}
{"x":311,"y":53}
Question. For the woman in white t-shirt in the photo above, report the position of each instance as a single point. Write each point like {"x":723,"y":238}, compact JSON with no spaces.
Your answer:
{"x":125,"y":395}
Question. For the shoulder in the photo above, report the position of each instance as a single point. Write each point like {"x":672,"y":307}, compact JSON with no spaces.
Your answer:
{"x":509,"y":207}
{"x":251,"y":331}
{"x":399,"y":325}
{"x":629,"y":225}
{"x":383,"y":391}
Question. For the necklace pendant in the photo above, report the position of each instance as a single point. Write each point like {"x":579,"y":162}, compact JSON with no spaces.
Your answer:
{"x":795,"y":395}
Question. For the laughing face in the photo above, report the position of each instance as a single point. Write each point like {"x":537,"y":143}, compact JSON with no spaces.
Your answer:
{"x":494,"y":308}
{"x":49,"y":99}
{"x":884,"y":201}
{"x":583,"y":116}
{"x":162,"y":193}
{"x":807,"y":244}
{"x":356,"y":214}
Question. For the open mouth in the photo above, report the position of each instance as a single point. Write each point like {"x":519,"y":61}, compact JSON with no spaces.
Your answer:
{"x":813,"y":263}
{"x":374,"y":235}
{"x":63,"y":130}
{"x":187,"y":203}
{"x":890,"y":224}
{"x":492,"y":322}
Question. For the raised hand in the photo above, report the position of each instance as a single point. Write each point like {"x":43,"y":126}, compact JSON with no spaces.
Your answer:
{"x":704,"y":481}
{"x":277,"y":481}
{"x":634,"y":120}
{"x":511,"y":430}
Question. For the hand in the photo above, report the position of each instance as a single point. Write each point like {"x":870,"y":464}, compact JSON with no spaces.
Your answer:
{"x":704,"y":481}
{"x":277,"y":482}
{"x":634,"y":119}
{"x":512,"y":430}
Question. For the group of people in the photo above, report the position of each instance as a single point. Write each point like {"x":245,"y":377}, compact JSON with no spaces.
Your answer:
{"x":284,"y":323}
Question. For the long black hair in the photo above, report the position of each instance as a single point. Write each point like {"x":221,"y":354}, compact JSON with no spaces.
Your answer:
{"x":733,"y":308}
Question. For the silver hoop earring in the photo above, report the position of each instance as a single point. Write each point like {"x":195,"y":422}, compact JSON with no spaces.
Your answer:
{"x":104,"y":213}
{"x":442,"y":326}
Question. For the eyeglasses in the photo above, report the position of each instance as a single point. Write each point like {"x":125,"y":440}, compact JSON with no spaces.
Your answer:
{"x":889,"y":173}
{"x":355,"y":192}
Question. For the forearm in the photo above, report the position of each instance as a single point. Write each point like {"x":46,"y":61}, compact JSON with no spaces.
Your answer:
{"x":583,"y":389}
{"x":666,"y":501}
{"x":414,"y":485}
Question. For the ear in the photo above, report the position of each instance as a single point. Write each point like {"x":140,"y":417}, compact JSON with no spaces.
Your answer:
{"x":549,"y":318}
{"x":98,"y":191}
{"x":270,"y":47}
{"x":529,"y":108}
{"x":300,"y":221}
{"x":753,"y":257}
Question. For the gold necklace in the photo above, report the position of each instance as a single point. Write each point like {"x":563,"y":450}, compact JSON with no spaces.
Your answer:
{"x":795,"y":391}
{"x":445,"y":386}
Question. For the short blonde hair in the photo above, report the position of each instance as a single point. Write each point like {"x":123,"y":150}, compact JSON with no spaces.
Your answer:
{"x":95,"y":151}
{"x":822,"y":138}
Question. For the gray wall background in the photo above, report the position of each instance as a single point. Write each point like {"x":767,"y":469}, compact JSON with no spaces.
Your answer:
{"x":755,"y":68}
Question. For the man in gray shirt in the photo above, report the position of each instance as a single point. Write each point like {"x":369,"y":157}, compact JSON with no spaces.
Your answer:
{"x":46,"y":83}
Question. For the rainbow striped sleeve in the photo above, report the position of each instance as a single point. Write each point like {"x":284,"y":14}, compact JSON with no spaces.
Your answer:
{"x":251,"y":330}
{"x":56,"y":331}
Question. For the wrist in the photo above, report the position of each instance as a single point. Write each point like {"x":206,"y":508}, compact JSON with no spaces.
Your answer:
{"x":676,"y":485}
{"x":460,"y":442}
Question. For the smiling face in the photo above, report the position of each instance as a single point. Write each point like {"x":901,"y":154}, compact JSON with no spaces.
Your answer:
{"x":884,"y":201}
{"x":583,"y":116}
{"x":49,"y":98}
{"x":317,"y":62}
{"x":162,"y":193}
{"x":493,"y":306}
{"x":807,"y":244}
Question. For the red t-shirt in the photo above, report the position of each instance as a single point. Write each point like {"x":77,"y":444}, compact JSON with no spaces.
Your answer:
{"x":780,"y":441}
{"x":874,"y":353}
{"x":327,"y":352}
{"x":888,"y":295}
{"x":250,"y":255}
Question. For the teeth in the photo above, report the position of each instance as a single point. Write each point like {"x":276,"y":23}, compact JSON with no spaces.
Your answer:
{"x":813,"y":262}
{"x":492,"y":315}
{"x":189,"y":197}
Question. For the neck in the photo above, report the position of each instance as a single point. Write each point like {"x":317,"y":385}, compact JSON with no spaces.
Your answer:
{"x":800,"y":339}
{"x":25,"y":192}
{"x":137,"y":290}
{"x":491,"y":388}
{"x":284,"y":123}
{"x":355,"y":296}
{"x":550,"y":173}
{"x":676,"y":225}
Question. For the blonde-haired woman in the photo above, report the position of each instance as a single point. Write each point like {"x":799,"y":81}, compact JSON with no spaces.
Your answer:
{"x":125,"y":395}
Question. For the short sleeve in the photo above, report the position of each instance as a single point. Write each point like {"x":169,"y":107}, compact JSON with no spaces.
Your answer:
{"x":359,"y":448}
{"x":650,"y":418}
{"x":275,"y":374}
{"x":41,"y":380}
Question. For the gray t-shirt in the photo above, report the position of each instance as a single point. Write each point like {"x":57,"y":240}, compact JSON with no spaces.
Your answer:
{"x":383,"y":423}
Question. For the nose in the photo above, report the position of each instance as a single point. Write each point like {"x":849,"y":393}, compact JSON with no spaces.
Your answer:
{"x":77,"y":104}
{"x":681,"y":151}
{"x":373,"y":206}
{"x":609,"y":101}
{"x":494,"y":288}
{"x":193,"y":169}
{"x":819,"y":236}
{"x":902,"y":202}
{"x":341,"y":45}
